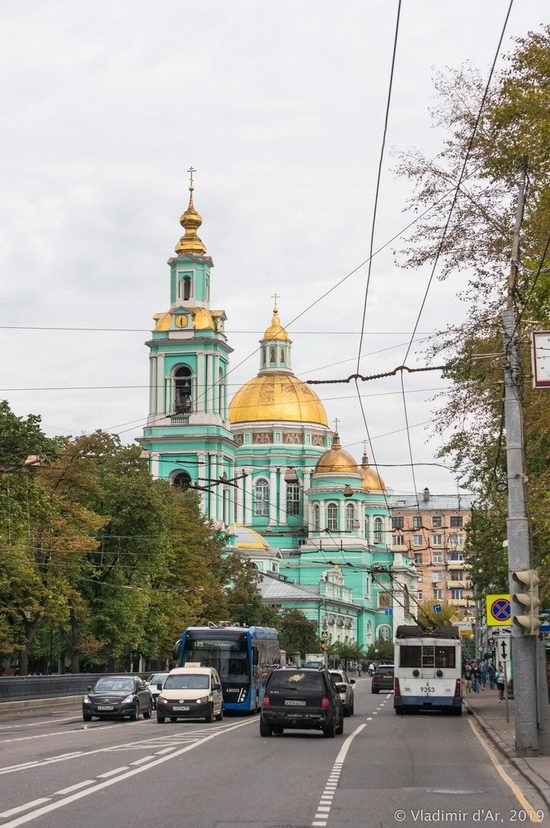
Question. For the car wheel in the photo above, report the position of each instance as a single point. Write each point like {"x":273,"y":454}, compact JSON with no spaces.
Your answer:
{"x":340,"y":728}
{"x":219,"y":716}
{"x":330,"y":730}
{"x":265,"y":729}
{"x":347,"y":710}
{"x":210,"y":716}
{"x":173,"y":719}
{"x":135,"y":714}
{"x":161,"y":719}
{"x":147,"y":713}
{"x":278,"y":731}
{"x":375,"y":690}
{"x":86,"y":717}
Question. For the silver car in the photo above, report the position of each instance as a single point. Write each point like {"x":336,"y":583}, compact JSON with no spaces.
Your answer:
{"x":344,"y":685}
{"x":153,"y":681}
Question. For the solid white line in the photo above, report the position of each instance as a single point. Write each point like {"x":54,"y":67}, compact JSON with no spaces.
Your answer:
{"x":166,"y":750}
{"x":53,"y":806}
{"x":72,"y":788}
{"x":25,"y":807}
{"x":112,"y":772}
{"x":142,"y":760}
{"x":347,"y":744}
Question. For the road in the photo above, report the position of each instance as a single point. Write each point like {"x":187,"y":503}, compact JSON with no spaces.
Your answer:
{"x":387,"y":770}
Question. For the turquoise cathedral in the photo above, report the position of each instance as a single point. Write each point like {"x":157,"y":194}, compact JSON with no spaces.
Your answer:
{"x":276,"y":478}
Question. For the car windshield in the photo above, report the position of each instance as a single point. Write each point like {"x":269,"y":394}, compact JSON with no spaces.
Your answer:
{"x":114,"y":685}
{"x":183,"y":682}
{"x":157,"y":678}
{"x":300,"y":681}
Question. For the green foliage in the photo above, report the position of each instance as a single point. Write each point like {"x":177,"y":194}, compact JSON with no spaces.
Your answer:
{"x":297,"y":633}
{"x":426,"y":614}
{"x":381,"y":652}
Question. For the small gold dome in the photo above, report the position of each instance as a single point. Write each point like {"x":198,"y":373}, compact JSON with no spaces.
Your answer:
{"x":275,"y":332}
{"x":336,"y":460}
{"x":371,"y":478}
{"x":190,"y":221}
{"x":202,"y":320}
{"x":272,"y":397}
{"x":163,"y":321}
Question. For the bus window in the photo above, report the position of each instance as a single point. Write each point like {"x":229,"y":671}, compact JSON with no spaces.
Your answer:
{"x":428,"y":656}
{"x":445,"y":657}
{"x":410,"y":655}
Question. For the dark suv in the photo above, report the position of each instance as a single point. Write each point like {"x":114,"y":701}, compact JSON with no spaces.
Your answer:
{"x":383,"y":678}
{"x":301,"y":699}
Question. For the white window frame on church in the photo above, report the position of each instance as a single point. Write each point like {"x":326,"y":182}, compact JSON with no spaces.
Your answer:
{"x":378,"y":529}
{"x":261,"y":497}
{"x":316,"y":517}
{"x":183,"y":279}
{"x":293,"y":499}
{"x":367,"y":527}
{"x":350,"y":517}
{"x":332,"y":517}
{"x":173,"y":386}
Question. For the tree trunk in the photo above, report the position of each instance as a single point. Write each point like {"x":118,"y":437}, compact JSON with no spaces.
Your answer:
{"x":24,"y":662}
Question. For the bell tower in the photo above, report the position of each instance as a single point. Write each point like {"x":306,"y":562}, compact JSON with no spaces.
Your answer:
{"x":187,"y":437}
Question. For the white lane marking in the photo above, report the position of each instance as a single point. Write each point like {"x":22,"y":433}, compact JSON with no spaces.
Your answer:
{"x":72,"y":788}
{"x":323,"y":809}
{"x":347,"y":744}
{"x":72,"y":718}
{"x":25,"y":807}
{"x":369,"y":718}
{"x":327,"y":797}
{"x":166,"y":750}
{"x":142,"y":760}
{"x":319,"y":823}
{"x":112,"y":772}
{"x":53,"y":806}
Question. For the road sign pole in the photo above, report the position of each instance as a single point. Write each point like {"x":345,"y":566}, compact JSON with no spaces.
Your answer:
{"x":506,"y":704}
{"x":517,"y":524}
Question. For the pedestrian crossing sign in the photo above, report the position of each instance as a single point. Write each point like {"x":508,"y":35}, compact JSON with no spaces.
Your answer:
{"x":498,"y":610}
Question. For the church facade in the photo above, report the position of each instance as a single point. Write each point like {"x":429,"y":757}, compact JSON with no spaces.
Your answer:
{"x":269,"y":470}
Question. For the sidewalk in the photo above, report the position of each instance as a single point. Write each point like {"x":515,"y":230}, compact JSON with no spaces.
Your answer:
{"x":490,"y":715}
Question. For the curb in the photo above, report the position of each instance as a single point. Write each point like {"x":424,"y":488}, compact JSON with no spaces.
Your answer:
{"x":522,"y":765}
{"x":36,"y":704}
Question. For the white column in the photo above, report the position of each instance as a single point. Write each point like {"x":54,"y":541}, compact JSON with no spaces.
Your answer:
{"x":247,"y":504}
{"x":307,"y":484}
{"x":160,"y":384}
{"x":322,"y":515}
{"x":282,"y":495}
{"x":155,"y":465}
{"x":201,"y":472}
{"x":215,"y":381}
{"x":218,"y":489}
{"x":342,"y":518}
{"x":210,"y":383}
{"x":239,"y":492}
{"x":361,"y":507}
{"x":152,"y":384}
{"x":200,"y":401}
{"x":272,"y":497}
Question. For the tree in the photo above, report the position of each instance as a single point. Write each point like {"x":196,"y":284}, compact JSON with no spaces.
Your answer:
{"x":427,"y":614}
{"x":297,"y":633}
{"x":380,"y":652}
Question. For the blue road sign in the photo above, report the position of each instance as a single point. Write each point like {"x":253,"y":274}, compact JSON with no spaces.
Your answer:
{"x":436,"y":607}
{"x":388,"y":611}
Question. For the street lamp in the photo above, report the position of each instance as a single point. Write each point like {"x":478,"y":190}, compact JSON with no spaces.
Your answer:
{"x":348,"y":491}
{"x":290,"y":475}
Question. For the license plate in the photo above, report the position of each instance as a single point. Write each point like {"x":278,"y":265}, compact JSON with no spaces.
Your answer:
{"x":105,"y":707}
{"x":179,"y":707}
{"x":295,"y":702}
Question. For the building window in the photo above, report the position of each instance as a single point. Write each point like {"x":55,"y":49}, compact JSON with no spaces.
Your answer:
{"x":332,"y":517}
{"x":186,"y":287}
{"x":456,"y":521}
{"x":248,"y":437}
{"x":398,"y":522}
{"x":455,"y":574}
{"x":437,"y":558}
{"x":182,"y":480}
{"x":437,"y":522}
{"x":262,"y":497}
{"x":282,"y":356}
{"x":350,"y":517}
{"x":378,"y":530}
{"x":418,"y":558}
{"x":417,"y":522}
{"x":399,"y":540}
{"x":456,"y":539}
{"x":457,"y":556}
{"x":437,"y":540}
{"x":293,"y":499}
{"x":436,"y":576}
{"x":183,"y":400}
{"x":367,"y":527}
{"x":457,"y":594}
{"x":417,"y":540}
{"x":277,"y":437}
{"x":438,"y":594}
{"x":316,"y":517}
{"x":384,"y":633}
{"x":272,"y":355}
{"x":418,"y":594}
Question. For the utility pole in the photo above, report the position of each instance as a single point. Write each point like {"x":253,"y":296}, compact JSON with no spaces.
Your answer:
{"x":517,"y":524}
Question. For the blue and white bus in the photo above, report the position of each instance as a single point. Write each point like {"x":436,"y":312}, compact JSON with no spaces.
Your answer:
{"x":243,"y":656}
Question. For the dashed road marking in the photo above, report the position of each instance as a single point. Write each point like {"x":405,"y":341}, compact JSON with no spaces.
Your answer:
{"x":72,"y":788}
{"x":142,"y":760}
{"x":107,"y":774}
{"x":25,"y":807}
{"x":326,"y":799}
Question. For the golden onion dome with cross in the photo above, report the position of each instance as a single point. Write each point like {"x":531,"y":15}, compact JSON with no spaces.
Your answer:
{"x":275,"y":331}
{"x":371,"y":478}
{"x":191,"y":220}
{"x":337,"y":460}
{"x":277,"y":397}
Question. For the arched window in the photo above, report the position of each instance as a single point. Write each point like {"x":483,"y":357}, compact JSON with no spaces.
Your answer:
{"x":272,"y":357}
{"x":282,"y":355}
{"x":186,"y":287}
{"x":367,"y":527}
{"x":264,"y":355}
{"x":182,"y":390}
{"x":262,"y":497}
{"x":293,"y":499}
{"x":332,"y":517}
{"x":369,"y":633}
{"x":316,"y":517}
{"x":182,"y":480}
{"x":384,"y":633}
{"x":378,"y":530}
{"x":350,"y":517}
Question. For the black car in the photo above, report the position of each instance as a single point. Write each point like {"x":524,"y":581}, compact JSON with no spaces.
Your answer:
{"x":117,"y":696}
{"x":383,"y":678}
{"x":301,"y":698}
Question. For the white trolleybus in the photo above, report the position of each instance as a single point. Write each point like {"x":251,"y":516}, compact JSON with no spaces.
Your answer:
{"x":428,"y":666}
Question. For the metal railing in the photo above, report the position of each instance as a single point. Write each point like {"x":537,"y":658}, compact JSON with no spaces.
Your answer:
{"x":19,"y":688}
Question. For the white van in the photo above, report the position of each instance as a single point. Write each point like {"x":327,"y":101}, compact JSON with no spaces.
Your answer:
{"x":190,"y":692}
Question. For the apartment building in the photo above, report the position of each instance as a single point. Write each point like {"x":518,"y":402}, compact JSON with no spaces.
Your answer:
{"x":431,"y":528}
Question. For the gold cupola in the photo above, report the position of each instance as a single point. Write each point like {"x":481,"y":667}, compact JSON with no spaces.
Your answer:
{"x":275,"y":331}
{"x":371,"y":478}
{"x":337,"y":460}
{"x":190,"y":221}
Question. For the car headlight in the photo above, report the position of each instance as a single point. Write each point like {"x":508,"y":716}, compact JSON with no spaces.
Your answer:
{"x":162,"y":700}
{"x":128,"y":699}
{"x":202,"y":700}
{"x":86,"y":700}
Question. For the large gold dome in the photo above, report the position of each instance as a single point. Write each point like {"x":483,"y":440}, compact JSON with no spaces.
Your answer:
{"x":273,"y":397}
{"x":336,"y":460}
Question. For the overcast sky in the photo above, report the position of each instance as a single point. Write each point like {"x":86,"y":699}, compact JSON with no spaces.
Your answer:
{"x":279,"y":106}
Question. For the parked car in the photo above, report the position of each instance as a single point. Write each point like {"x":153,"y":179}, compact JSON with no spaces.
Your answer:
{"x":191,"y":693}
{"x":382,"y":678}
{"x":301,"y":698}
{"x":344,"y":685}
{"x":153,"y":683}
{"x":116,"y":697}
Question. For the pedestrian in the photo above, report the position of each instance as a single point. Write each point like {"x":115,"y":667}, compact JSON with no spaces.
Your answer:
{"x":358,"y":671}
{"x":483,"y":673}
{"x":467,"y":673}
{"x":499,"y":680}
{"x":475,"y":678}
{"x":371,"y":669}
{"x":491,"y":672}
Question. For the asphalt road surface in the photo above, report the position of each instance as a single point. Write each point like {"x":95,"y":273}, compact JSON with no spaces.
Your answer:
{"x":387,"y":770}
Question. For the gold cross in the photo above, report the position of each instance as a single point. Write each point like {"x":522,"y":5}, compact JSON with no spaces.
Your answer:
{"x":336,"y":421}
{"x":191,"y":170}
{"x":275,"y":296}
{"x":364,"y":446}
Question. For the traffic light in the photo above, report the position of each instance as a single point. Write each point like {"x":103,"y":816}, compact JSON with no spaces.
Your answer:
{"x":529,"y":599}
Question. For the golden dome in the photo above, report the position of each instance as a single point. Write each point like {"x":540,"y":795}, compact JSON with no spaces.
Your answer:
{"x":191,"y":221}
{"x":371,"y":478}
{"x":202,"y":320}
{"x":275,"y":332}
{"x":163,"y":321}
{"x":336,"y":460}
{"x":272,"y":397}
